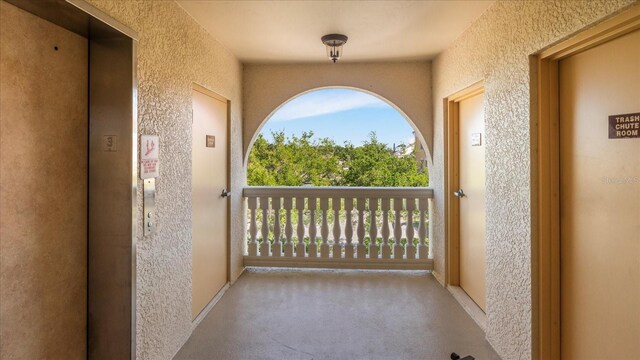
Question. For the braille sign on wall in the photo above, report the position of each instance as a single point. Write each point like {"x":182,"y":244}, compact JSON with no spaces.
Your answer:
{"x":211,"y":141}
{"x":476,"y":139}
{"x":149,"y":156}
{"x":624,"y":126}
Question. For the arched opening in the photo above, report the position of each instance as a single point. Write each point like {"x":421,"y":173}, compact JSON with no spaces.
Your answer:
{"x":351,"y":197}
{"x":337,"y":136}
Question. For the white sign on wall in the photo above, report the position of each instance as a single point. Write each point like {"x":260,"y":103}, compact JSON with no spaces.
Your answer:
{"x":149,"y":156}
{"x":476,"y":139}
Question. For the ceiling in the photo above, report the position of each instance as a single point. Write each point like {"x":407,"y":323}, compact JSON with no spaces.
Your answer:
{"x":290,"y":31}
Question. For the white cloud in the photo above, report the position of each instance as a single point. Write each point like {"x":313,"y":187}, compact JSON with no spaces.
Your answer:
{"x":325,"y":102}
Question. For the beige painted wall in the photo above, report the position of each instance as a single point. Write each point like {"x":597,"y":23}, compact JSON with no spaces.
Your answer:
{"x":174,"y":52}
{"x":496,"y":49}
{"x":405,"y":84}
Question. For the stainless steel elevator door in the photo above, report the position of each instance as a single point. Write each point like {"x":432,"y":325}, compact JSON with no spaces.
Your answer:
{"x":43,"y":181}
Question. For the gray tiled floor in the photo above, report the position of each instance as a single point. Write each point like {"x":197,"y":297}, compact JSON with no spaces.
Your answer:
{"x":342,"y":314}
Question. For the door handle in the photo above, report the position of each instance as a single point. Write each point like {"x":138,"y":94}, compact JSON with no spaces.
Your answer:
{"x":460,"y":193}
{"x":225,"y":193}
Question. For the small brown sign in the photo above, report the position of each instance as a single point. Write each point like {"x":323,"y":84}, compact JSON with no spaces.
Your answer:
{"x":624,"y":126}
{"x":211,"y":141}
{"x":110,"y":143}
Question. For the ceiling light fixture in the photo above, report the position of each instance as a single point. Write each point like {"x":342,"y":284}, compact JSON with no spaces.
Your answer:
{"x":334,"y":43}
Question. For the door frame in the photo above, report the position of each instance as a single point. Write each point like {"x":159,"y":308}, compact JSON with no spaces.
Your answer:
{"x":545,"y":249}
{"x":452,"y":207}
{"x":203,"y":90}
{"x":452,"y":180}
{"x":111,"y":296}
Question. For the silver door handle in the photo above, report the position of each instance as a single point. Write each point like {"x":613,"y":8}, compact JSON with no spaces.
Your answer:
{"x":460,"y":193}
{"x":225,"y":193}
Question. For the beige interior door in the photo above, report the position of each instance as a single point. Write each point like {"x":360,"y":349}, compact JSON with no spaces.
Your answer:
{"x":43,"y":182}
{"x":472,"y":200}
{"x":209,"y":212}
{"x":599,"y":203}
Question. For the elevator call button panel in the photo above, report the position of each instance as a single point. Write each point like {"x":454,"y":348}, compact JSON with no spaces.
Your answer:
{"x":149,"y":198}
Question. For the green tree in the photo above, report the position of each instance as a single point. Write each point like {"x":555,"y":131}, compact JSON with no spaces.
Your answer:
{"x":293,"y":162}
{"x":304,"y":160}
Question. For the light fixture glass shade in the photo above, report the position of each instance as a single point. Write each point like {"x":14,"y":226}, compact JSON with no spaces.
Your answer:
{"x":334,"y":52}
{"x":334,"y":44}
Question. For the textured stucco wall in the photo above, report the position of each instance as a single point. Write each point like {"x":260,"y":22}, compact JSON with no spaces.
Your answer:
{"x":173,"y":53}
{"x":405,"y":84}
{"x":496,"y":49}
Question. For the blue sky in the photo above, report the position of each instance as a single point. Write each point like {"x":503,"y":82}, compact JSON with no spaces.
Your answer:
{"x":342,"y":115}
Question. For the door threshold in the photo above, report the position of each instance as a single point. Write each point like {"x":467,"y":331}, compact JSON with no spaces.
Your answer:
{"x":469,"y":306}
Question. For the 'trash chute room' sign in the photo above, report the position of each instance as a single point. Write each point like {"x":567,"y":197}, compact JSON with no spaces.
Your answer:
{"x":624,"y":126}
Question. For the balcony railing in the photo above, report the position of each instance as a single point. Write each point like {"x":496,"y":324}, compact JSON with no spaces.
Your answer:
{"x":338,"y":227}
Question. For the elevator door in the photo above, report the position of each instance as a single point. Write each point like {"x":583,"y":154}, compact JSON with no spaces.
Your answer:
{"x":599,"y":203}
{"x":43,"y":202}
{"x":209,"y":208}
{"x":472,"y":204}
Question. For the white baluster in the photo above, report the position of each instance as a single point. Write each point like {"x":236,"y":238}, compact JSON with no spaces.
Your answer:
{"x":373,"y":229}
{"x":423,"y":249}
{"x":397,"y":229}
{"x":410,"y":247}
{"x":362,"y":249}
{"x":313,"y":246}
{"x":337,"y":247}
{"x":265,"y":245}
{"x":253,"y":227}
{"x":386,"y":249}
{"x":324,"y":228}
{"x":348,"y":228}
{"x":300,"y":249}
{"x":276,"y":249}
{"x":288,"y":228}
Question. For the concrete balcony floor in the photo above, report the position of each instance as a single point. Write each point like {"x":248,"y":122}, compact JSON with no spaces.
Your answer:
{"x":336,"y":314}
